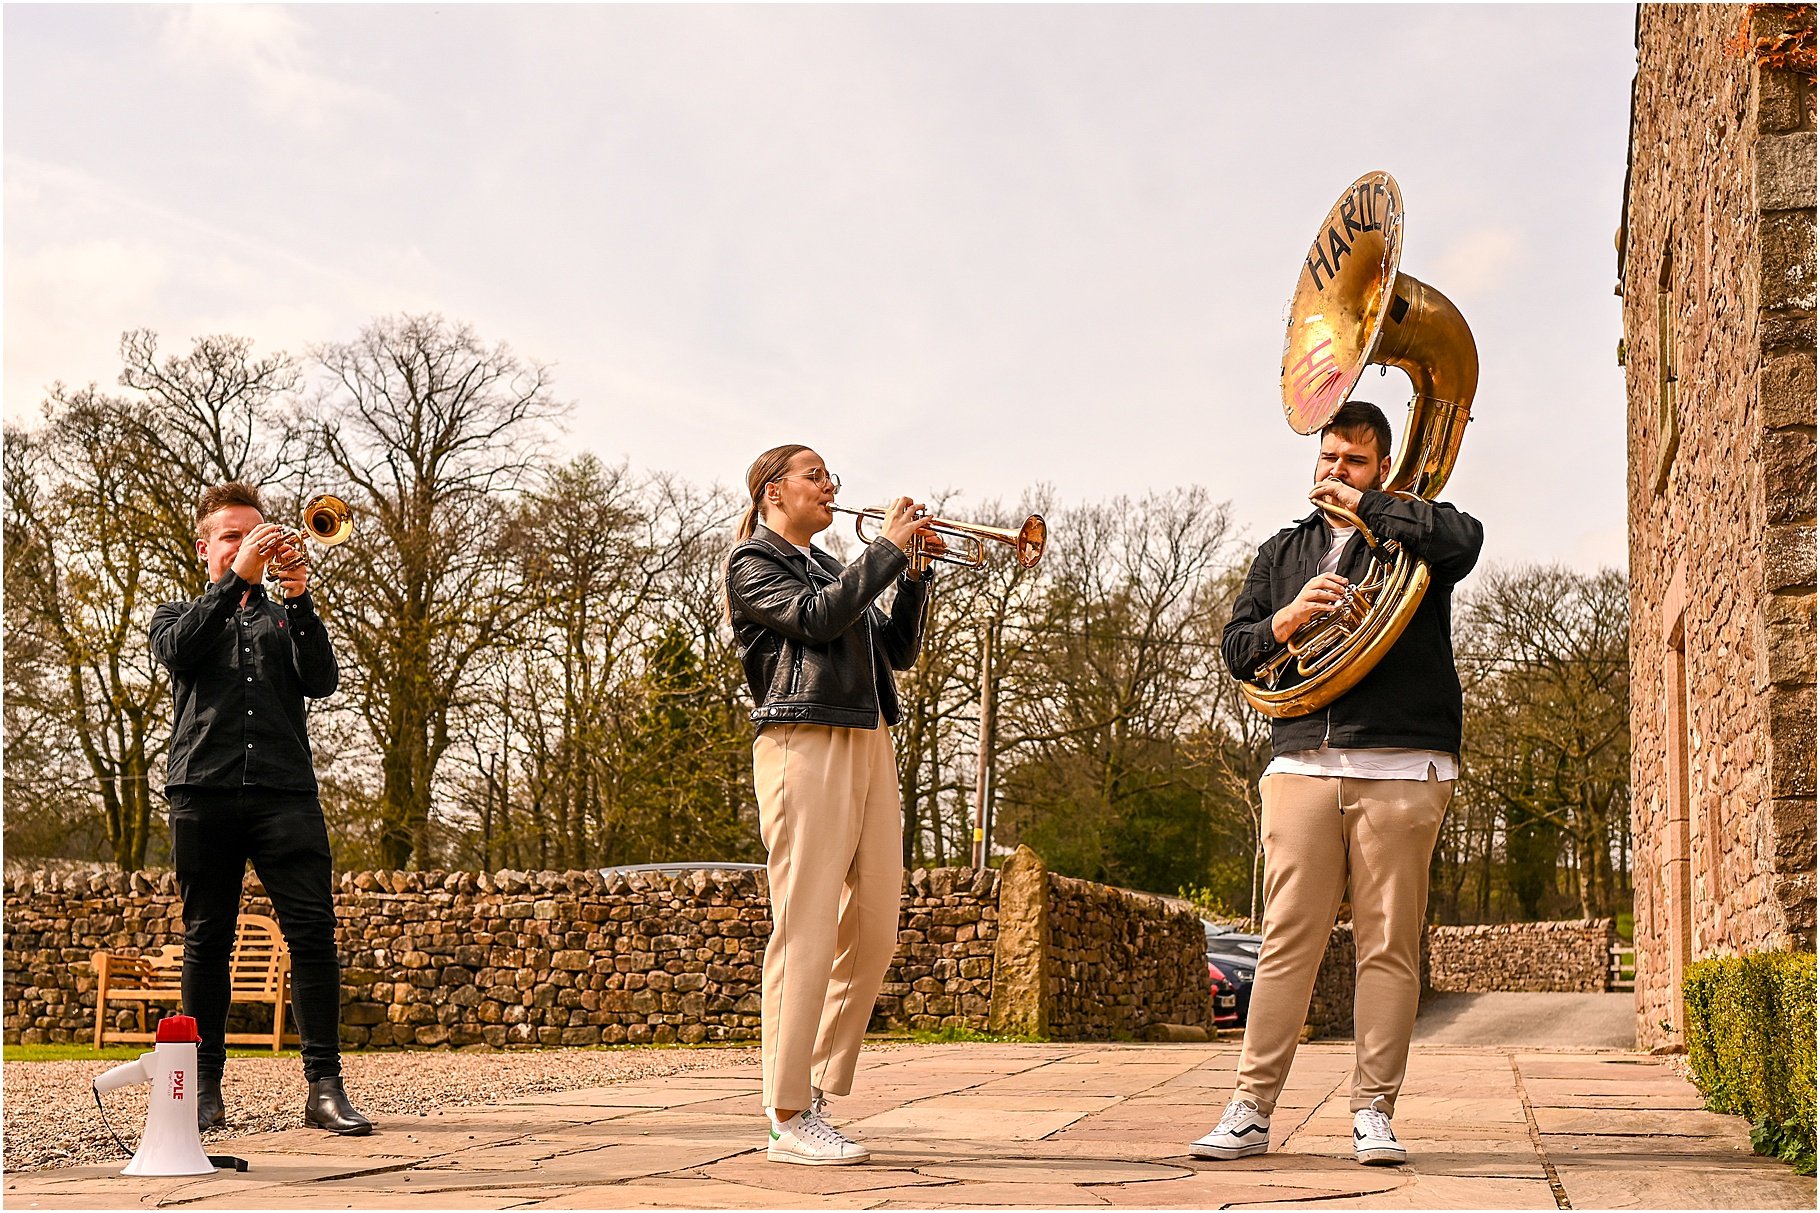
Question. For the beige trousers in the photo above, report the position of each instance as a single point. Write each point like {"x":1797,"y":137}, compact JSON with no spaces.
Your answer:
{"x":833,"y":824}
{"x":1320,"y":834}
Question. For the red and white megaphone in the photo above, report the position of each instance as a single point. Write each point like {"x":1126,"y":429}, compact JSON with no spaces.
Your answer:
{"x":171,"y":1144}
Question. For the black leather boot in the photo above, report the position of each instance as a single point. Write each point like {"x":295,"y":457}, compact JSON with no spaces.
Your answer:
{"x":210,"y":1111}
{"x":328,"y":1108}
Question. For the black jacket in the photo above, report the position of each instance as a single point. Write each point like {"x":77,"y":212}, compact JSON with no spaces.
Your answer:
{"x":1411,"y":699}
{"x":815,"y":649}
{"x":239,"y":676}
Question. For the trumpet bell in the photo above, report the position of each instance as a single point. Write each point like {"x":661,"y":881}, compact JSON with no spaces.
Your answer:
{"x":1031,"y":539}
{"x":327,"y":519}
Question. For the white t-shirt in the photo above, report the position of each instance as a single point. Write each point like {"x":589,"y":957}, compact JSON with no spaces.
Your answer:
{"x":1330,"y":763}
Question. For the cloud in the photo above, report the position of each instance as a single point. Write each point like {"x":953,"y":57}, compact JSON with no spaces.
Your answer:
{"x":1478,"y":262}
{"x":266,"y":46}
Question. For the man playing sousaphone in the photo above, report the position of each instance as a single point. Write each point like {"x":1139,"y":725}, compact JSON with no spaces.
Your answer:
{"x":1344,"y":619}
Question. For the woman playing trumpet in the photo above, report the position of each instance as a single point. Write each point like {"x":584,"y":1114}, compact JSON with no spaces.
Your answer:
{"x":818,"y":656}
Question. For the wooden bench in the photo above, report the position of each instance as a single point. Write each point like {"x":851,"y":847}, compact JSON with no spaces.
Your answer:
{"x":260,"y":971}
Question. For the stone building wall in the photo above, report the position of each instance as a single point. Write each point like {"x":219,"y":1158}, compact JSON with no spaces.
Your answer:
{"x":1567,"y":957}
{"x":1717,"y":277}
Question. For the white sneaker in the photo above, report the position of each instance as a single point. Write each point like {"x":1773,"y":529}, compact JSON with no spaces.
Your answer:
{"x":1373,"y":1142}
{"x":1242,"y":1130}
{"x":809,"y":1140}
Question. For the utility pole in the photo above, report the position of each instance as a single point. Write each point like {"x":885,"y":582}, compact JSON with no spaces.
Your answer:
{"x":982,"y":776}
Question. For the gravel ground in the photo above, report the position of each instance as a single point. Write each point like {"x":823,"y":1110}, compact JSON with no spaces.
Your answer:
{"x":51,"y":1121}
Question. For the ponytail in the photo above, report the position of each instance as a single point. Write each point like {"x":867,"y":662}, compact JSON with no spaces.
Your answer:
{"x":766,"y":468}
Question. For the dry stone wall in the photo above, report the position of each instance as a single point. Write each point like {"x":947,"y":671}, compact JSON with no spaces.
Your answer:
{"x":1123,"y":962}
{"x":518,"y":959}
{"x":1565,"y":957}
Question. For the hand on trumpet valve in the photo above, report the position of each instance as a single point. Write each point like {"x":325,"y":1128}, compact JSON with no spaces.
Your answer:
{"x":256,"y":551}
{"x":905,"y":521}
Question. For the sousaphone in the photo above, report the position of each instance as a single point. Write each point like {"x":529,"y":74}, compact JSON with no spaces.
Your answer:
{"x":1353,"y":308}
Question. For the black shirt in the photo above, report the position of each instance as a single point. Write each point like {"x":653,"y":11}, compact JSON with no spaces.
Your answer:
{"x":1411,"y":699}
{"x":239,"y":676}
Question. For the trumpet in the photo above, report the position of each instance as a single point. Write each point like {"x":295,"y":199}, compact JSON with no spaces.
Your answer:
{"x":968,"y":539}
{"x":327,"y":520}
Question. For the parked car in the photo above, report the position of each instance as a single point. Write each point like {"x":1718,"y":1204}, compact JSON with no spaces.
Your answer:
{"x":1225,"y":997}
{"x":1236,"y":954}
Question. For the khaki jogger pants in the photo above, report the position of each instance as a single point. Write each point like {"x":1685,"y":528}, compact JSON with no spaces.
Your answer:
{"x":1320,"y":834}
{"x":832,"y":821}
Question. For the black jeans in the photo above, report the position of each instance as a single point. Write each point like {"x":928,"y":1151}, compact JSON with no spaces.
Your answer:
{"x":213,"y":835}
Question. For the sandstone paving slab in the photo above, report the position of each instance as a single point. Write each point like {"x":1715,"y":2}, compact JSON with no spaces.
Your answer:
{"x":974,"y":1117}
{"x":1055,"y":1170}
{"x":1635,"y":1122}
{"x":1445,"y":1192}
{"x":311,"y":1198}
{"x":1212,"y":1192}
{"x":989,"y":1195}
{"x":1662,"y":1152}
{"x":1496,"y":1158}
{"x":605,"y":1164}
{"x":1677,"y":1101}
{"x":1733,"y":1186}
{"x":1442,"y":1110}
{"x":754,"y":1171}
{"x":664,"y":1193}
{"x":1612,"y":1067}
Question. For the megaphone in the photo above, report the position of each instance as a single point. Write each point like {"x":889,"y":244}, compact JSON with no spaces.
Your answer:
{"x":171,"y":1144}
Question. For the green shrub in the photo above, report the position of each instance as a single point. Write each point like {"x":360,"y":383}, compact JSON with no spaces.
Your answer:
{"x":1750,"y":1045}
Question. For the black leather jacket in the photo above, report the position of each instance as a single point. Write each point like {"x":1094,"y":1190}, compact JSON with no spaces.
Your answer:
{"x":1411,"y":698}
{"x":815,"y":649}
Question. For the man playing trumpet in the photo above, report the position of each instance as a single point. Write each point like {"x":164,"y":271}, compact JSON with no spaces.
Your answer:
{"x":242,"y":786}
{"x":1355,"y":792}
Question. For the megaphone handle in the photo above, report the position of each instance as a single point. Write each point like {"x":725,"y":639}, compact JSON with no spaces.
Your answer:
{"x":110,"y":1128}
{"x":227,"y":1161}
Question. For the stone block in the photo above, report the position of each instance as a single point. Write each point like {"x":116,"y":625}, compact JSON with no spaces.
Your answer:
{"x":1785,"y":390}
{"x":1021,"y":997}
{"x":1788,"y":476}
{"x":1788,"y":558}
{"x":1786,"y":240}
{"x":1785,"y":171}
{"x":1791,"y":719}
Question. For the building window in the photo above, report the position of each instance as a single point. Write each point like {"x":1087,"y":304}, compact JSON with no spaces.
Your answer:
{"x":1677,"y":845}
{"x":1668,"y":417}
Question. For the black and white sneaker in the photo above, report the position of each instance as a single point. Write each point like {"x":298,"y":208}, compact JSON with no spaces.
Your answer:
{"x":1373,"y":1142}
{"x":1242,"y":1130}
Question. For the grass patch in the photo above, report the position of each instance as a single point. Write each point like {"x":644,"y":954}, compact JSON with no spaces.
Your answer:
{"x":1625,"y":923}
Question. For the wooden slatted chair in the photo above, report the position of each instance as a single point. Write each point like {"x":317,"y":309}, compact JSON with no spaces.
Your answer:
{"x":260,"y":971}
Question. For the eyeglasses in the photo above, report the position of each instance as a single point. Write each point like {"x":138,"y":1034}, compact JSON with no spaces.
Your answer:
{"x":818,"y":477}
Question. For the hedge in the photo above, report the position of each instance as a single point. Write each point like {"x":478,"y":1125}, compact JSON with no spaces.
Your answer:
{"x":1750,"y":1045}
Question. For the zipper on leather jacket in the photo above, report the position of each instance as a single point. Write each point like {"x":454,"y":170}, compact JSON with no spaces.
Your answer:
{"x":796,"y":671}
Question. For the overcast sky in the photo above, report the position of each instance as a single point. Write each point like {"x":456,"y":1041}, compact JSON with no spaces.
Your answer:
{"x":952,"y":247}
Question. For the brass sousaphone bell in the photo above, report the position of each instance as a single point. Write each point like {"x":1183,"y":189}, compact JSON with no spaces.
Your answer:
{"x":1352,"y":308}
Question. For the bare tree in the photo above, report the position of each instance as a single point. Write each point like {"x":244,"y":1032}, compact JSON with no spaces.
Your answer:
{"x":100,"y":527}
{"x":432,"y":431}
